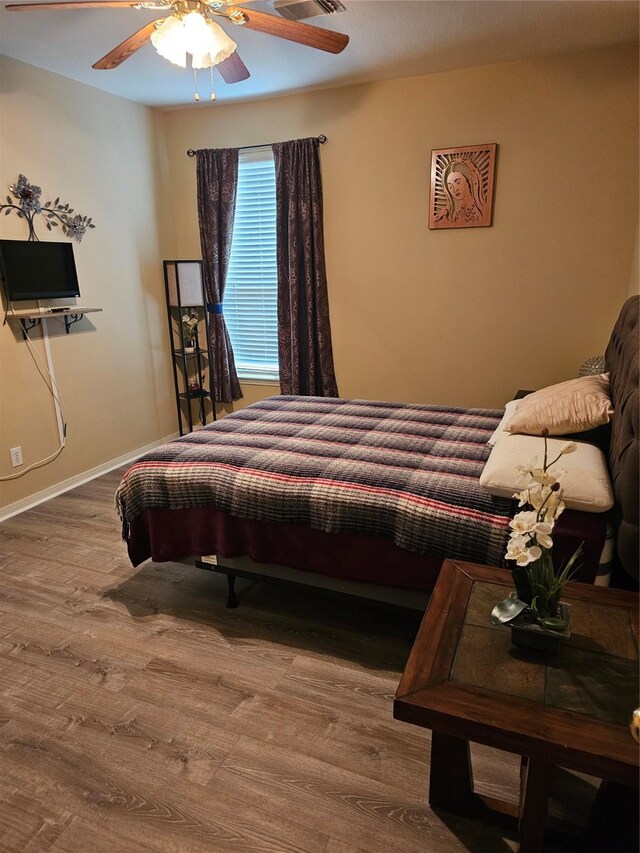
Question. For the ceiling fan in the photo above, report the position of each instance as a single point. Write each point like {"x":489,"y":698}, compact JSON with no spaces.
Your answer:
{"x":191,"y":28}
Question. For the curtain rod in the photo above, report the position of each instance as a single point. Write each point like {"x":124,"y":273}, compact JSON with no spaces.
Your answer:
{"x":321,"y":139}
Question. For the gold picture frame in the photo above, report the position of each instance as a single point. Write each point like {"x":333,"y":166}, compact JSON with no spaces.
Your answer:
{"x":462,"y":182}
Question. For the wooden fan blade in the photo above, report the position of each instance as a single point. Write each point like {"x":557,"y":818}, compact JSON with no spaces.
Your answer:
{"x":127,"y":48}
{"x":72,"y":4}
{"x":233,"y":69}
{"x":294,"y":31}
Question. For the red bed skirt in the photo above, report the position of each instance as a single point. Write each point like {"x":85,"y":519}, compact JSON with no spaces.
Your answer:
{"x":170,"y":534}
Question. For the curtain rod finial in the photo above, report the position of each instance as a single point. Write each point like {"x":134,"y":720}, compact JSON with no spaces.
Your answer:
{"x":322,"y":139}
{"x":191,"y":152}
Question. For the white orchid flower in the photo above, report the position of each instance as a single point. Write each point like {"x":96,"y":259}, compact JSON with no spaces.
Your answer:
{"x":568,"y":447}
{"x":543,"y":530}
{"x":536,"y":498}
{"x":529,"y":555}
{"x":517,"y":539}
{"x":524,"y":522}
{"x":517,"y":542}
{"x":518,"y":550}
{"x":517,"y":545}
{"x":541,"y":476}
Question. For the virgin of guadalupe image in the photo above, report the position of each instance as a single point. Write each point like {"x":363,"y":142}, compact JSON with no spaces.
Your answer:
{"x":466,"y":197}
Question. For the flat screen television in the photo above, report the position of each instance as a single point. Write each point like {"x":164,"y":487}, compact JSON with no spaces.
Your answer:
{"x":35,"y":270}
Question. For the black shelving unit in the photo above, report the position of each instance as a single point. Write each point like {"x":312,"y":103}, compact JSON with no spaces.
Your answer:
{"x":193,"y":381}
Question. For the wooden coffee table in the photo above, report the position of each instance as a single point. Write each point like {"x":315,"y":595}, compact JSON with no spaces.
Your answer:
{"x":467,"y":682}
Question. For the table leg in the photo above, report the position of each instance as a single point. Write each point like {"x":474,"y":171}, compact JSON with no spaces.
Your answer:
{"x":451,"y":779}
{"x":534,"y":800}
{"x":232,"y":601}
{"x":614,"y":820}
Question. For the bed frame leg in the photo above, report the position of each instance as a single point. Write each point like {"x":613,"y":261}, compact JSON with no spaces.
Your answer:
{"x":232,"y":601}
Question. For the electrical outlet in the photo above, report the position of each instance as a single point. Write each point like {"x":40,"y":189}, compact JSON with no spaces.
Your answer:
{"x":16,"y":457}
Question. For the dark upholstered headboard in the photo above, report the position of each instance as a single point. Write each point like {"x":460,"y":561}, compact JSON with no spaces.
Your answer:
{"x":622,"y":364}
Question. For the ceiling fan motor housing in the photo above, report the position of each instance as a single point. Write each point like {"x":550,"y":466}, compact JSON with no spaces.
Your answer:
{"x":295,"y":10}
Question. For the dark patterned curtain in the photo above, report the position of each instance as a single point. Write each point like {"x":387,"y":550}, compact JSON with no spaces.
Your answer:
{"x":217,"y":176}
{"x":304,"y":333}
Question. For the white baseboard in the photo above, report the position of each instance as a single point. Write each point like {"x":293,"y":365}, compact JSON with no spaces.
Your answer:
{"x":16,"y":508}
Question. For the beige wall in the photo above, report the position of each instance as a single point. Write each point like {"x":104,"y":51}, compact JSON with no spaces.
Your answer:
{"x":98,"y":153}
{"x":459,"y":316}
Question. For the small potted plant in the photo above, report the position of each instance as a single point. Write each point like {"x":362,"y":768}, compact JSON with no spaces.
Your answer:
{"x":536,"y":614}
{"x":190,"y":322}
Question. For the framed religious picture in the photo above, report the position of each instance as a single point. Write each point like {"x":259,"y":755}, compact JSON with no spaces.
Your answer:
{"x":462,"y":186}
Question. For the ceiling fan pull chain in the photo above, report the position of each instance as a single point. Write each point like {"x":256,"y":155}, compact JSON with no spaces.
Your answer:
{"x":213,"y":94}
{"x":196,"y":96}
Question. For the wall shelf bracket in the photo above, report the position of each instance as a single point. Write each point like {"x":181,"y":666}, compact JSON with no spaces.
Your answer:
{"x":29,"y":323}
{"x":70,"y":319}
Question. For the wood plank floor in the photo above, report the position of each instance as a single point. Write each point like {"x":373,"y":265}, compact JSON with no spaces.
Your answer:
{"x":138,"y":713}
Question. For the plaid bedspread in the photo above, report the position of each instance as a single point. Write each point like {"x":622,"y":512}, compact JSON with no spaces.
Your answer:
{"x":403,"y":471}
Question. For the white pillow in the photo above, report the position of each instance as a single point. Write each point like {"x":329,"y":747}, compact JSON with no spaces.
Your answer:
{"x":500,"y":432}
{"x":582,"y":475}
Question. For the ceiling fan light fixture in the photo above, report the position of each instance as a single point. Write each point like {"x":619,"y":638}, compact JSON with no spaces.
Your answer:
{"x":178,"y":35}
{"x":217,"y":47}
{"x":170,"y":42}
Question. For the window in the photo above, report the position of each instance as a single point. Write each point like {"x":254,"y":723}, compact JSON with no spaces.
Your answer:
{"x":250,"y":299}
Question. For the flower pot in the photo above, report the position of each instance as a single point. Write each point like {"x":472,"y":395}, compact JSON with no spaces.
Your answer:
{"x":525,"y":631}
{"x":521,"y":582}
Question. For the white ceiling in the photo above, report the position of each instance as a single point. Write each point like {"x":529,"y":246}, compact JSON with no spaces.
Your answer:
{"x":388,"y":38}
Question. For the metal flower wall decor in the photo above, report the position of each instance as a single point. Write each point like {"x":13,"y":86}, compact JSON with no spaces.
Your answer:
{"x":28,"y":204}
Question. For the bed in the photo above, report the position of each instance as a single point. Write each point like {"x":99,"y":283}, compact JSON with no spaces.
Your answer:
{"x":374,"y":492}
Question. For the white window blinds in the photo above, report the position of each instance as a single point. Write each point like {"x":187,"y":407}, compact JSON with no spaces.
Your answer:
{"x":250,"y":297}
